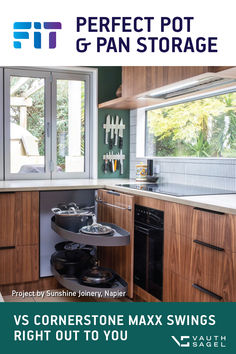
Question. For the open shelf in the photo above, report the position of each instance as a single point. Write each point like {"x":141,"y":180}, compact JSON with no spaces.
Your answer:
{"x":118,"y":288}
{"x":120,"y":237}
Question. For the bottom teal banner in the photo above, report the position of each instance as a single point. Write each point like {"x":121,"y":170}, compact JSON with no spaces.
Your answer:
{"x":118,"y":327}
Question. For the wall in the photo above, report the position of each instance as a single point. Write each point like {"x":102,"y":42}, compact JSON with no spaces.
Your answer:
{"x":217,"y":173}
{"x":109,"y":79}
{"x":102,"y":148}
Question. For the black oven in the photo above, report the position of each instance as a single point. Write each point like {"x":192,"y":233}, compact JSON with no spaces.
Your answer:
{"x":148,"y":250}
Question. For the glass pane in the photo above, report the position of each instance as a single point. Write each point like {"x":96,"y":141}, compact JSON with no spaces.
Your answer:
{"x":27,"y":127}
{"x":70,"y":125}
{"x":201,"y":128}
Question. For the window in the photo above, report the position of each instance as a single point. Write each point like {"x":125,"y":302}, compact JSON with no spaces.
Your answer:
{"x":26,"y":122}
{"x":47,"y":119}
{"x":70,"y":125}
{"x":201,"y":128}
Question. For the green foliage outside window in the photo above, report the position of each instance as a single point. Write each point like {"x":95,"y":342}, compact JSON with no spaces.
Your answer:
{"x":201,"y":128}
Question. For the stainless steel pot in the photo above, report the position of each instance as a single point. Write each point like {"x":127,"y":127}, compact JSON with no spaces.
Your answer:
{"x":72,"y":263}
{"x":73,"y":219}
{"x":97,"y":276}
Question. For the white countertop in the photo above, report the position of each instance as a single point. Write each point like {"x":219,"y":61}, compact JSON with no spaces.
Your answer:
{"x":223,"y":203}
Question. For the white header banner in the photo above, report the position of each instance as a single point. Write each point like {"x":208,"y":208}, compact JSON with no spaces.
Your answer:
{"x":76,"y":33}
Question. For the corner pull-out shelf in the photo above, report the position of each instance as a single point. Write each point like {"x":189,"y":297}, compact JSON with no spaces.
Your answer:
{"x":118,"y":288}
{"x":120,"y":237}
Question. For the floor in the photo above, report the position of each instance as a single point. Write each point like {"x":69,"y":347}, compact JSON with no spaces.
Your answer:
{"x":54,"y":298}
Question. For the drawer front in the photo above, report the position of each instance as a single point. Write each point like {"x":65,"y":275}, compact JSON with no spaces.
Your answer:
{"x":210,"y":267}
{"x":214,"y":228}
{"x":214,"y":270}
{"x":178,"y":289}
{"x":7,"y":219}
{"x":19,"y":265}
{"x":178,"y":219}
{"x":7,"y":266}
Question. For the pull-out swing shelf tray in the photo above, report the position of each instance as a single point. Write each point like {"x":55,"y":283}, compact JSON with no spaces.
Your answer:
{"x":120,"y":237}
{"x":118,"y":288}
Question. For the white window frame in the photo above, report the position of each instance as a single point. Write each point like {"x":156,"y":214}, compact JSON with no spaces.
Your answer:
{"x":91,"y":138}
{"x":1,"y":125}
{"x":79,"y":77}
{"x":47,"y":97}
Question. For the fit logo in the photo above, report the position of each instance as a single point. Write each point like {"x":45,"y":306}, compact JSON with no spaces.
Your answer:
{"x":182,"y":342}
{"x":21,"y":31}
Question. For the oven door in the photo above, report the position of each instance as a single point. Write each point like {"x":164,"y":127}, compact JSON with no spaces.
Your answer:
{"x":148,"y":254}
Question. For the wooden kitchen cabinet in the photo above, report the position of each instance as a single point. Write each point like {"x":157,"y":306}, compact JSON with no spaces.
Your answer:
{"x":199,"y":262}
{"x":215,"y":228}
{"x":210,"y":268}
{"x":27,"y":218}
{"x":19,"y":237}
{"x":178,"y":289}
{"x":7,"y":219}
{"x":118,"y":208}
{"x":19,"y":265}
{"x":178,"y":218}
{"x":139,"y":79}
{"x":177,"y":253}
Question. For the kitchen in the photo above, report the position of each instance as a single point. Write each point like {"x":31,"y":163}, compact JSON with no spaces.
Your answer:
{"x":148,"y":153}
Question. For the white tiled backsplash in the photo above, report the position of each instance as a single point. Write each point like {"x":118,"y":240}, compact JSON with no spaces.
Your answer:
{"x":212,"y":172}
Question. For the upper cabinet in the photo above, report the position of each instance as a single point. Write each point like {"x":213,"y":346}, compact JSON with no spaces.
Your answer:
{"x":139,"y":82}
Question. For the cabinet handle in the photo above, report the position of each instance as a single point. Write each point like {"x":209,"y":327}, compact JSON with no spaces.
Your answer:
{"x":209,"y":211}
{"x":7,"y":192}
{"x":7,"y":247}
{"x":209,"y":245}
{"x":113,"y":192}
{"x":208,"y":292}
{"x":129,"y":208}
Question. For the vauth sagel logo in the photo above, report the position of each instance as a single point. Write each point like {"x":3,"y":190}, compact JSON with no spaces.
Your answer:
{"x":26,"y":30}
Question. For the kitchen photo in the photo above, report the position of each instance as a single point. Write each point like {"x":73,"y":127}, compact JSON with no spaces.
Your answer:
{"x":118,"y":184}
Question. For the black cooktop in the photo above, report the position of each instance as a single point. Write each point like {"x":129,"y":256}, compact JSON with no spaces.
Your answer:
{"x":178,"y":190}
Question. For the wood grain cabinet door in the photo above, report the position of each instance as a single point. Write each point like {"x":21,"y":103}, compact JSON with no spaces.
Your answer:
{"x":7,"y":266}
{"x":19,"y":265}
{"x":7,"y":219}
{"x":179,"y":289}
{"x":215,"y":228}
{"x":178,"y":219}
{"x":139,"y":79}
{"x":214,"y":270}
{"x":118,"y":208}
{"x":27,"y":218}
{"x":177,"y":253}
{"x":19,"y":237}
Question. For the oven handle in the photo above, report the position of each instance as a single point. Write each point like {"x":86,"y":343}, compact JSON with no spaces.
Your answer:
{"x":143,"y":230}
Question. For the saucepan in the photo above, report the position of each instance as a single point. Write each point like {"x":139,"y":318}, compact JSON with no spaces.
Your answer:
{"x":73,"y":218}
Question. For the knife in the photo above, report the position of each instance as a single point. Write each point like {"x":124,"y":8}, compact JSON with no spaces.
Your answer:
{"x":116,"y":129}
{"x":107,"y":128}
{"x":121,"y":163}
{"x":121,"y":128}
{"x":112,"y":133}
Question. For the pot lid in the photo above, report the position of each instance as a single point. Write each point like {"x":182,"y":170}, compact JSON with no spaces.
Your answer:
{"x":97,"y":275}
{"x":97,"y":229}
{"x":72,"y":212}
